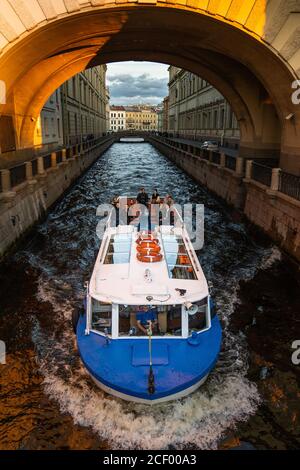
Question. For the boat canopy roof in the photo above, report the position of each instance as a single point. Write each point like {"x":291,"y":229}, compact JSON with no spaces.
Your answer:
{"x":119,"y":277}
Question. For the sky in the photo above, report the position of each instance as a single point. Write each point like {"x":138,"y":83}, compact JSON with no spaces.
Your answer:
{"x":137,"y":82}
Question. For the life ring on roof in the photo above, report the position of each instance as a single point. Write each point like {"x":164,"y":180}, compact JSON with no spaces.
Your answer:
{"x":147,"y":236}
{"x":147,"y":239}
{"x":148,"y":252}
{"x":149,"y":258}
{"x":148,"y":246}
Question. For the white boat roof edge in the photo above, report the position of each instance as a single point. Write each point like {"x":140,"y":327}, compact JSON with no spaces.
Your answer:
{"x":125,"y":283}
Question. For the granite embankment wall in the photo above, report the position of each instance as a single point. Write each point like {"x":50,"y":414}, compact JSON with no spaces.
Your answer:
{"x":233,"y":179}
{"x":40,"y":183}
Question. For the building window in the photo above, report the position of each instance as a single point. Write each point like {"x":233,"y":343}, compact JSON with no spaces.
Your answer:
{"x":46,"y":127}
{"x":69,"y":123}
{"x":58,"y":128}
{"x":215,"y":125}
{"x":74,"y":87}
{"x":53,"y":128}
{"x":222,"y":116}
{"x":75,"y":120}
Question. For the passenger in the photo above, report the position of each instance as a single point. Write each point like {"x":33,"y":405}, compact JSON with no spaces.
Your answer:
{"x":116,"y":201}
{"x":166,"y":216}
{"x":169,"y":200}
{"x":142,"y":197}
{"x":144,"y":316}
{"x":155,"y":199}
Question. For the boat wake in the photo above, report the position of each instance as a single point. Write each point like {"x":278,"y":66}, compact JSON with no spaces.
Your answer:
{"x":200,"y":419}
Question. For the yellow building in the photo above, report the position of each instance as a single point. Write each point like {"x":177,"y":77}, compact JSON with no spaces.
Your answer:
{"x":141,"y":118}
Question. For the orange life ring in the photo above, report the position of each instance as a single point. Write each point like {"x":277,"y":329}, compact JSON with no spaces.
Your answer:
{"x":148,"y":247}
{"x":148,"y":258}
{"x":147,"y":240}
{"x":151,"y":244}
{"x":184,"y":259}
{"x":146,"y":236}
{"x":148,"y":253}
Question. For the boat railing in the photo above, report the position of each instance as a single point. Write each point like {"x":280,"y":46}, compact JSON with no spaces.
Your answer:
{"x":108,"y":222}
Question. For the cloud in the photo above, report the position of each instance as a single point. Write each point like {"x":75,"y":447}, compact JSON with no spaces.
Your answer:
{"x":126,"y":88}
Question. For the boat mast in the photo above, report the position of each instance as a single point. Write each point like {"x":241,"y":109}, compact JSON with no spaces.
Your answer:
{"x":151,"y":386}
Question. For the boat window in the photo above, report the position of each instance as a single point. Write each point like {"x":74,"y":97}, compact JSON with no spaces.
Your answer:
{"x":118,"y":250}
{"x":198,"y":321}
{"x":177,"y":258}
{"x":101,"y":316}
{"x":166,"y":320}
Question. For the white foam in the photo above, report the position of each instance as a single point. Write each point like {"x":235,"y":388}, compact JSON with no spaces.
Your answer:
{"x":271,"y":257}
{"x":200,"y":419}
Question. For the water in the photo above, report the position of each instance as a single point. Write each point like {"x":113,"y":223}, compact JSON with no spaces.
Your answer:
{"x":48,"y":400}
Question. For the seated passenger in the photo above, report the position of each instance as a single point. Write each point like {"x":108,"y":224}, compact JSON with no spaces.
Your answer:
{"x":116,"y":201}
{"x":169,"y":200}
{"x":155,"y":199}
{"x":144,"y":316}
{"x":142,"y":197}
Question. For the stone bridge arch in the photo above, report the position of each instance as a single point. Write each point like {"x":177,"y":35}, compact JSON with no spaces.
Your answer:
{"x":249,"y":50}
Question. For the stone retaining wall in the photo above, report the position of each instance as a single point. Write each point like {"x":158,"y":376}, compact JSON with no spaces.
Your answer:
{"x":25,"y":204}
{"x":273,"y":212}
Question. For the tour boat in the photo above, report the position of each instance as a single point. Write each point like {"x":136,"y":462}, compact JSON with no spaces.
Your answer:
{"x":148,"y":331}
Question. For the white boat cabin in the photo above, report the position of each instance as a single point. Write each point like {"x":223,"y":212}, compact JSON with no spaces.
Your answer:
{"x":123,"y":288}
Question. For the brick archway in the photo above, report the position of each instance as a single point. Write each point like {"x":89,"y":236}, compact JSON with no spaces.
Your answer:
{"x":237,"y":46}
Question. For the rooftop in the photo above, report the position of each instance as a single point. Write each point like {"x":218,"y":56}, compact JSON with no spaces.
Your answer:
{"x":119,"y":277}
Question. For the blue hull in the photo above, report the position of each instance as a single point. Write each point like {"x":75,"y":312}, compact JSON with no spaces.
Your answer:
{"x":123,"y":364}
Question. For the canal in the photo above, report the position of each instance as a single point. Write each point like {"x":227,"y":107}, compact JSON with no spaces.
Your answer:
{"x":47,"y":401}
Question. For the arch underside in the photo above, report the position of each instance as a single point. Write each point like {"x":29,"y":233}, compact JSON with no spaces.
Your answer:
{"x":254,"y":80}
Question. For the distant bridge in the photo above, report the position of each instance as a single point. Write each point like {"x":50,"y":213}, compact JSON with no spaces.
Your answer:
{"x":133,"y":137}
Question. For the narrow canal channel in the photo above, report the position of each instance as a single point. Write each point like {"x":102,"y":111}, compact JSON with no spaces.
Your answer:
{"x":47,"y":400}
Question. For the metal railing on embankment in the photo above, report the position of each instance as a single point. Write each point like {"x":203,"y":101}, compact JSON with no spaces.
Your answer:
{"x":230,"y":162}
{"x":262,"y":171}
{"x":220,"y":159}
{"x":289,"y":184}
{"x":274,"y":179}
{"x":18,"y":174}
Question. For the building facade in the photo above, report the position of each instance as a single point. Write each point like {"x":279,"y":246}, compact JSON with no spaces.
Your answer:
{"x":77,"y":110}
{"x":160,"y":120}
{"x":117,"y":118}
{"x":133,"y":118}
{"x":107,"y":109}
{"x":141,"y":118}
{"x":84,"y":101}
{"x":197,"y":110}
{"x":49,"y":126}
{"x":166,"y":114}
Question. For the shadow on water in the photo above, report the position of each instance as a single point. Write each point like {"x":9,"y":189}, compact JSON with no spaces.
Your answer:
{"x":47,"y":400}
